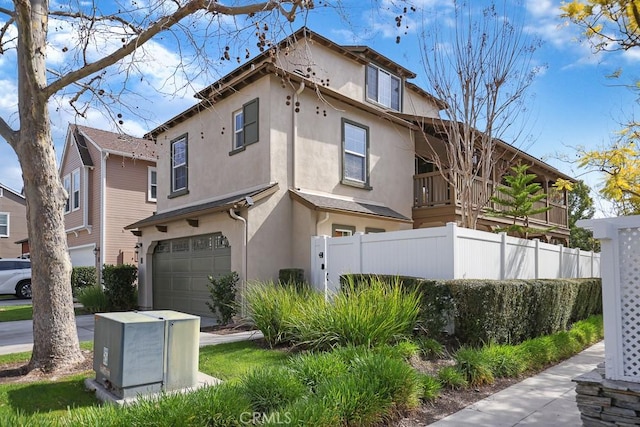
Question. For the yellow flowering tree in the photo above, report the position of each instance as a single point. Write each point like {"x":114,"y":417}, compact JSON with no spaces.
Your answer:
{"x":620,"y":165}
{"x":608,"y":24}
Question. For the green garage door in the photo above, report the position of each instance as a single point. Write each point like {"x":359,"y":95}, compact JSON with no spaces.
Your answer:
{"x":181,"y":268}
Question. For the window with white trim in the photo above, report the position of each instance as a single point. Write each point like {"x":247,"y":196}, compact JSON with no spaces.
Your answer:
{"x":179,"y":163}
{"x":245,"y":125}
{"x":4,"y":224}
{"x":383,"y":87}
{"x":355,"y":147}
{"x":152,"y":182}
{"x":338,"y":230}
{"x":75,"y":189}
{"x":66,"y":183}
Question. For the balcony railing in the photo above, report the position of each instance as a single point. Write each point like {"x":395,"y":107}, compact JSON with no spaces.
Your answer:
{"x":431,"y":190}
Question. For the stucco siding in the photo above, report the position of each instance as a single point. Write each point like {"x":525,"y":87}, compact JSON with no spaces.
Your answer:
{"x":15,"y":206}
{"x":125,"y":203}
{"x":319,"y":155}
{"x":212,"y":171}
{"x":220,"y":222}
{"x":416,"y":104}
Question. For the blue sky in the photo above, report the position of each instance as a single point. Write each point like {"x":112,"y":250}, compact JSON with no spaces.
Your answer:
{"x":572,"y":103}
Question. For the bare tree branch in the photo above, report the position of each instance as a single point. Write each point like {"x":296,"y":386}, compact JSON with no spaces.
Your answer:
{"x":8,"y":12}
{"x":163,"y":24}
{"x":10,"y":135}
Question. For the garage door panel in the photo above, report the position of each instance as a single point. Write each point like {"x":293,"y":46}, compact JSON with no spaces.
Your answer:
{"x":181,"y":271}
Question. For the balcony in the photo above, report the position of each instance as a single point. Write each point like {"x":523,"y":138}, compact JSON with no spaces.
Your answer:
{"x":435,"y":204}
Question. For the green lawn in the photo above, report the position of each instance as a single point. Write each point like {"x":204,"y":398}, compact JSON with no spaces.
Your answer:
{"x":12,"y":313}
{"x":51,"y":399}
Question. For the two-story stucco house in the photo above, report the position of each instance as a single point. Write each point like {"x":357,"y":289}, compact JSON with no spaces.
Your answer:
{"x":310,"y":139}
{"x":111,"y":182}
{"x":13,"y":222}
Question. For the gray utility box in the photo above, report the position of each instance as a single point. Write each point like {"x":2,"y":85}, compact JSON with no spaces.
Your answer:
{"x":146,"y":352}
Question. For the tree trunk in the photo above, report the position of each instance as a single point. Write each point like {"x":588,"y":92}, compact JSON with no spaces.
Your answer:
{"x":54,"y":326}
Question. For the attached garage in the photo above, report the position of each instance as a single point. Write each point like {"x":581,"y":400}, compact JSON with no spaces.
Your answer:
{"x":82,"y":256}
{"x":181,"y":268}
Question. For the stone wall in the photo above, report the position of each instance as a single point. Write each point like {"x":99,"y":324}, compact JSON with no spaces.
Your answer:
{"x":604,"y":402}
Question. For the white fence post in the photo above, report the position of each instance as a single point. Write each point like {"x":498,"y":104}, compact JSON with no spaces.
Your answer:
{"x":503,"y":255}
{"x":537,"y":258}
{"x":452,"y":235}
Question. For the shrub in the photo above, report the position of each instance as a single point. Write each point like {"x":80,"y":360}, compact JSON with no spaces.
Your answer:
{"x":369,"y":316}
{"x":504,"y":360}
{"x":452,"y":378}
{"x":270,"y":389}
{"x":430,"y":348}
{"x":292,"y":277}
{"x":431,"y":387}
{"x":83,"y":277}
{"x":314,"y":368}
{"x":474,"y":366}
{"x":313,"y":411}
{"x":93,"y":299}
{"x":119,"y":286}
{"x":223,"y":296}
{"x":272,"y":308}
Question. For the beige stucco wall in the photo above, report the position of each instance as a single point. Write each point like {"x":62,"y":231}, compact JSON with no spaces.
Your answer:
{"x":15,"y":206}
{"x":212,"y":172}
{"x":416,"y":104}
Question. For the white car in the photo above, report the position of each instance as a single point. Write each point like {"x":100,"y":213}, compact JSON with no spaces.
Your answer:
{"x":15,"y":277}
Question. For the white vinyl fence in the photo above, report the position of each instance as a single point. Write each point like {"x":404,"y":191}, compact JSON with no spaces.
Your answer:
{"x":448,"y":252}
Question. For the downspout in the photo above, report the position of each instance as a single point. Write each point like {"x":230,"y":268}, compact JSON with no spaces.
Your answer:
{"x":237,"y":217}
{"x":103,"y":212}
{"x":322,"y":221}
{"x":294,"y":136}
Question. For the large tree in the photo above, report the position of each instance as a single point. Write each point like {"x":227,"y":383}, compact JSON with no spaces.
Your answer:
{"x":478,"y":63}
{"x":102,"y":36}
{"x":581,"y":207}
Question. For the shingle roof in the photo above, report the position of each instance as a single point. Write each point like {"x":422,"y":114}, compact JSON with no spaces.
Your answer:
{"x":120,"y":143}
{"x":346,"y":206}
{"x":203,"y":208}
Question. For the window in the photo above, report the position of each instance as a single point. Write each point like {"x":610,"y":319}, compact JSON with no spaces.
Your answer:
{"x":66,"y":182}
{"x":355,"y":144}
{"x":75,"y":189}
{"x":245,"y":126}
{"x":179,"y":164}
{"x":342,"y":230}
{"x":238,"y":129}
{"x":383,"y":87}
{"x":370,"y":230}
{"x":4,"y":224}
{"x":152,"y":181}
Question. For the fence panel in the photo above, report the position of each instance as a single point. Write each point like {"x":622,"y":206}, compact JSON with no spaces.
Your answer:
{"x":446,"y":253}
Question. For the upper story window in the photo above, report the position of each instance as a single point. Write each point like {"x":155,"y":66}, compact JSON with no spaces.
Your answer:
{"x":245,"y":125}
{"x":355,"y":156}
{"x":383,"y":87}
{"x":75,"y":189}
{"x":4,"y":224}
{"x":66,"y":183}
{"x":179,"y":166}
{"x":152,"y":182}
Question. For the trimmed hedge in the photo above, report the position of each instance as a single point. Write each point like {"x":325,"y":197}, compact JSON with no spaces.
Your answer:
{"x":120,"y":287}
{"x":83,"y":277}
{"x":503,"y":311}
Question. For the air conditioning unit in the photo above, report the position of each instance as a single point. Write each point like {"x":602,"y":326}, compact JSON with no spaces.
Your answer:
{"x":145,"y":352}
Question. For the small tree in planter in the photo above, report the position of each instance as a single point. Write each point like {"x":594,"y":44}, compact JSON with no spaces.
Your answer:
{"x":521,"y":196}
{"x":223,"y":296}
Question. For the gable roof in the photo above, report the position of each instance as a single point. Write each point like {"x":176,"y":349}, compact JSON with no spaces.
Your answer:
{"x":114,"y":143}
{"x":14,"y":192}
{"x":83,"y":150}
{"x":262,"y":65}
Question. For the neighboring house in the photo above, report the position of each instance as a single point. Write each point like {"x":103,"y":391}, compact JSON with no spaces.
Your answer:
{"x":315,"y":139}
{"x":13,"y":221}
{"x":111,"y":182}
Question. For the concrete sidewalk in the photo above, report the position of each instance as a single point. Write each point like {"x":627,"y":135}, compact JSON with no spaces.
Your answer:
{"x":16,"y":337}
{"x":547,"y":399}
